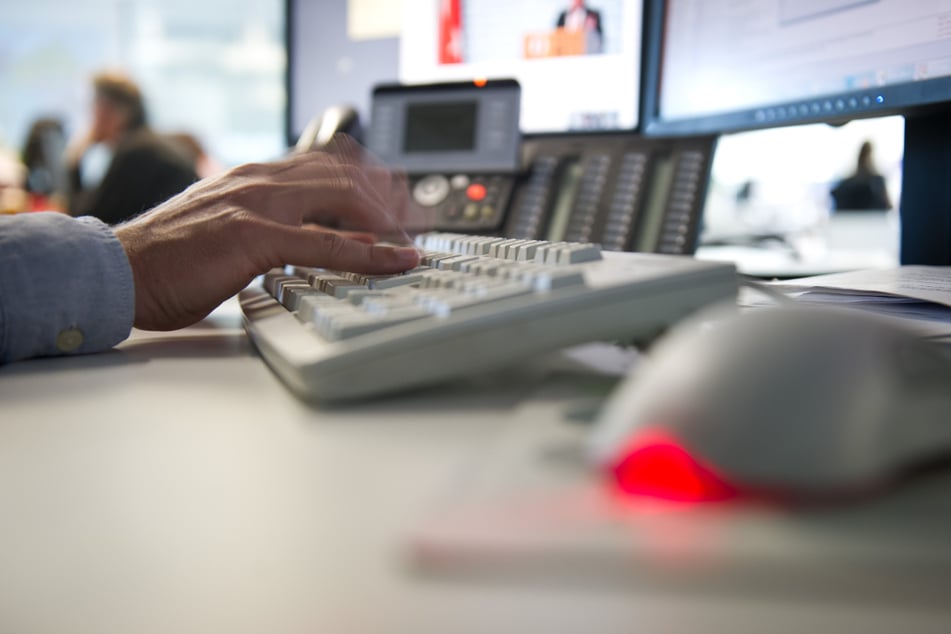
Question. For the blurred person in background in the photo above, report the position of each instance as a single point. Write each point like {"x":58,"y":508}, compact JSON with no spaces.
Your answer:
{"x":580,"y":17}
{"x":141,"y":168}
{"x":44,"y":158}
{"x":865,"y":189}
{"x":205,"y":165}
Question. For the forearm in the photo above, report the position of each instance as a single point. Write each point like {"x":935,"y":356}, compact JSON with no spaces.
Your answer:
{"x":65,"y":286}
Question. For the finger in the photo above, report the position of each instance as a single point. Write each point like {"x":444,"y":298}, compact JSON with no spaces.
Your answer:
{"x":345,"y":158}
{"x":290,"y":245}
{"x":362,"y":236}
{"x":343,"y":155}
{"x":333,"y":201}
{"x":316,"y":188}
{"x":342,"y":172}
{"x":380,"y":176}
{"x":303,"y":168}
{"x":409,"y":214}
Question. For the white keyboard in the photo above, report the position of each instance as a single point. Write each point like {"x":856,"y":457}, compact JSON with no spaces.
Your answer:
{"x":475,"y":303}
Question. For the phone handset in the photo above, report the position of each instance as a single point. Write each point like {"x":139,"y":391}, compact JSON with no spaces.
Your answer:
{"x":322,"y":128}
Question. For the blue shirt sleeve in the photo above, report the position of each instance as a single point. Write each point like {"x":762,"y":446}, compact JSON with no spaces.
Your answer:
{"x":65,"y":286}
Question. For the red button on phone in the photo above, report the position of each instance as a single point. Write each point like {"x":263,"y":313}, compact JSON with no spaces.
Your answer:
{"x":476,"y":191}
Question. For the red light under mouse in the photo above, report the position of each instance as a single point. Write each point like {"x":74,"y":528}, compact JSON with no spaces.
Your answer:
{"x":655,"y":464}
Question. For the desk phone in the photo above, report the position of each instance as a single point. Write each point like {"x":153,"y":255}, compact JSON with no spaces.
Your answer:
{"x":459,"y":144}
{"x":472,"y":170}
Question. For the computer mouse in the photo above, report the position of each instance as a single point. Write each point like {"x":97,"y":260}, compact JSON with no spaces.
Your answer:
{"x":795,"y":402}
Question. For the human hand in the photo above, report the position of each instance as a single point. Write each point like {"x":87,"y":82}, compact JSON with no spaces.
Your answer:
{"x":391,"y":185}
{"x":199,"y":248}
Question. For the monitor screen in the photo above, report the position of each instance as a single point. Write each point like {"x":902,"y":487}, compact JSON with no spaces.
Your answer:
{"x":577,"y":62}
{"x":722,"y":65}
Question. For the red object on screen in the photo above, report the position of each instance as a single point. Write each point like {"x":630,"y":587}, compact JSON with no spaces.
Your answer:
{"x":450,"y":32}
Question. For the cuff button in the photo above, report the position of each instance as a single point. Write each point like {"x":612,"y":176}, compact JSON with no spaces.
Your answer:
{"x":69,"y":340}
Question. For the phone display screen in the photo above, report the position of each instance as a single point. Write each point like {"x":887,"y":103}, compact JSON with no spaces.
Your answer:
{"x":440,"y":127}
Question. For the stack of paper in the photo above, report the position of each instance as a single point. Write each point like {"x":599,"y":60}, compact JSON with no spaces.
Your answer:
{"x":921,"y":293}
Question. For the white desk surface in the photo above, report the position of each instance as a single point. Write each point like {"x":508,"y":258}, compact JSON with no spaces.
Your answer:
{"x":174,"y":485}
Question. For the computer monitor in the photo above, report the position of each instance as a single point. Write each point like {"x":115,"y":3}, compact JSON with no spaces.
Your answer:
{"x":714,"y":66}
{"x":577,"y":62}
{"x":330,"y":63}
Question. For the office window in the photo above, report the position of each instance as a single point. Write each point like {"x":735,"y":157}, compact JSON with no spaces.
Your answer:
{"x":778,"y":181}
{"x":213,"y":68}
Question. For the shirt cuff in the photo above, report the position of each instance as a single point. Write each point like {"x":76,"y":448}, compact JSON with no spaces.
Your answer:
{"x":65,"y":286}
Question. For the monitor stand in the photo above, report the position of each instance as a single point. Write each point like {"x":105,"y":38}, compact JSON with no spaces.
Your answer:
{"x":926,"y":190}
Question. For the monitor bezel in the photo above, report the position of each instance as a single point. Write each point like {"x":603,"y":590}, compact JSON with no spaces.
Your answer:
{"x":290,"y":133}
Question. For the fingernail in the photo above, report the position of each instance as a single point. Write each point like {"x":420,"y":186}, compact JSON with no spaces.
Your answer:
{"x":407,"y":255}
